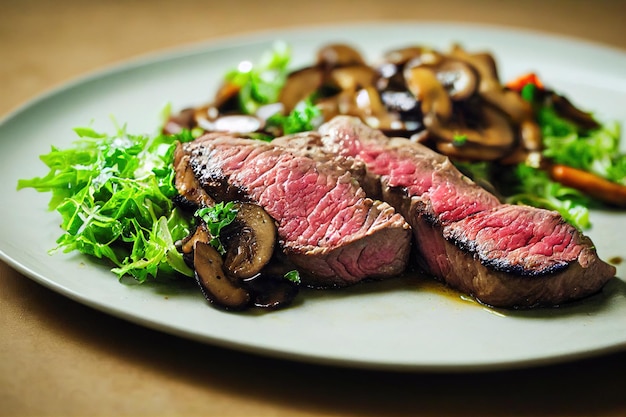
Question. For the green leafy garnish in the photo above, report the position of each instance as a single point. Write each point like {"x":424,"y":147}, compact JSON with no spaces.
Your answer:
{"x":528,"y":92}
{"x":535,"y":188}
{"x":216,"y":218}
{"x":260,"y":84}
{"x":114,"y":193}
{"x":293,"y":276}
{"x":596,"y":151}
{"x":304,"y":117}
{"x":459,"y":139}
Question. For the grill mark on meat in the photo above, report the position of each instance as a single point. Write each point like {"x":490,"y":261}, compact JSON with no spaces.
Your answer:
{"x":326,"y":223}
{"x":506,"y":256}
{"x":504,"y":241}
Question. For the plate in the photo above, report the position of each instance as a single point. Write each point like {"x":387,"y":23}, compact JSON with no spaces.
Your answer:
{"x":398,"y":324}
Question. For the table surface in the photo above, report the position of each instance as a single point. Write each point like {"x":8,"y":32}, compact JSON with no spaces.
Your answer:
{"x":59,"y":357}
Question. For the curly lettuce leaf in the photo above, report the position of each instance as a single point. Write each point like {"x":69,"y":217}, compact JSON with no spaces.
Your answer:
{"x":114,"y":193}
{"x":534,"y":187}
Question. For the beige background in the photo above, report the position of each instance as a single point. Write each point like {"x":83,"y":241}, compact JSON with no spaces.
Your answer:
{"x":60,"y":358}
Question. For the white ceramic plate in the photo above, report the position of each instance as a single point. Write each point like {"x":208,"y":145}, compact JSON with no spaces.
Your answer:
{"x":395,"y":325}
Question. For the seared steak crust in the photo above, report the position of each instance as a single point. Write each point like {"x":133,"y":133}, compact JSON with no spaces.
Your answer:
{"x":327,"y":226}
{"x":503,"y":255}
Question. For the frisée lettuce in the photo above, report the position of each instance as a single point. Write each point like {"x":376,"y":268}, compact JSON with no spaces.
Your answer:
{"x":114,"y":194}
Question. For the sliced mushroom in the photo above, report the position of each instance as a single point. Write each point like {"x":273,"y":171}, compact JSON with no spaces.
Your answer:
{"x":338,"y":55}
{"x":178,"y":122}
{"x":271,"y":290}
{"x":434,"y":99}
{"x":491,"y":89}
{"x":492,"y":138}
{"x":226,"y":97}
{"x":391,"y":76}
{"x":353,"y":77}
{"x":300,"y":85}
{"x":249,"y":240}
{"x":238,"y":123}
{"x":214,"y":283}
{"x":484,"y":63}
{"x":568,"y":111}
{"x":190,"y":192}
{"x":201,"y":234}
{"x":457,"y":77}
{"x":372,"y":110}
{"x":211,"y":119}
{"x":510,"y":102}
{"x":399,"y":57}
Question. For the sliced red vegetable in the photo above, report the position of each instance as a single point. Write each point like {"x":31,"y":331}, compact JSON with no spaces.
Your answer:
{"x":520,"y":82}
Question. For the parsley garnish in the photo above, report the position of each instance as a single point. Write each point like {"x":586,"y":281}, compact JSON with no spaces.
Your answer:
{"x":216,"y":218}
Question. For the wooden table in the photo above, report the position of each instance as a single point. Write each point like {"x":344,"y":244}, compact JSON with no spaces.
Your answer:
{"x":58,"y":357}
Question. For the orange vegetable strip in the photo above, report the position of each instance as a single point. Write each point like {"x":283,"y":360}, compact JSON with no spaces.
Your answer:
{"x":590,"y":184}
{"x":518,"y":83}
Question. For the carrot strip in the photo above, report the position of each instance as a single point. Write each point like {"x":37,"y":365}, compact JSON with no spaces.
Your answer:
{"x":518,"y":83}
{"x":591,"y":184}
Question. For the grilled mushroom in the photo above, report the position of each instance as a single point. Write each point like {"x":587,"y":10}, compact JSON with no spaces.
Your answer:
{"x":491,"y":89}
{"x":338,"y":55}
{"x":567,"y":110}
{"x":272,"y":290}
{"x":484,"y":134}
{"x":458,"y":78}
{"x":353,"y":77}
{"x":300,"y":85}
{"x":249,"y":273}
{"x":249,"y":240}
{"x":490,"y":138}
{"x":216,"y":286}
{"x":433,"y":97}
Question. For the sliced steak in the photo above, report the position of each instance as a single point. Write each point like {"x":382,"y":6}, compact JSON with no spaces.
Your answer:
{"x":327,"y":226}
{"x":310,"y":144}
{"x":503,"y":255}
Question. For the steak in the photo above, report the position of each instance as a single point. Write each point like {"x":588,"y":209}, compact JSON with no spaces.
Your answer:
{"x":310,"y":144}
{"x":503,"y":255}
{"x":327,"y":226}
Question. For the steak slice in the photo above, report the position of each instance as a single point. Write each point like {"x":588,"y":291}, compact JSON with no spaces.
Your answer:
{"x":503,"y":255}
{"x":326,"y":224}
{"x":310,"y":144}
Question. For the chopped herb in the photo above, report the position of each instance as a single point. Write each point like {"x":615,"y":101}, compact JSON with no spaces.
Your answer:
{"x":293,"y":276}
{"x":459,"y":140}
{"x":528,"y":92}
{"x":216,"y":218}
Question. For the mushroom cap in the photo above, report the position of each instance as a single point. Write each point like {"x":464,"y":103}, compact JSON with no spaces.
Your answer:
{"x":249,"y":240}
{"x":338,"y":55}
{"x":427,"y":89}
{"x":214,"y":283}
{"x":300,"y":84}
